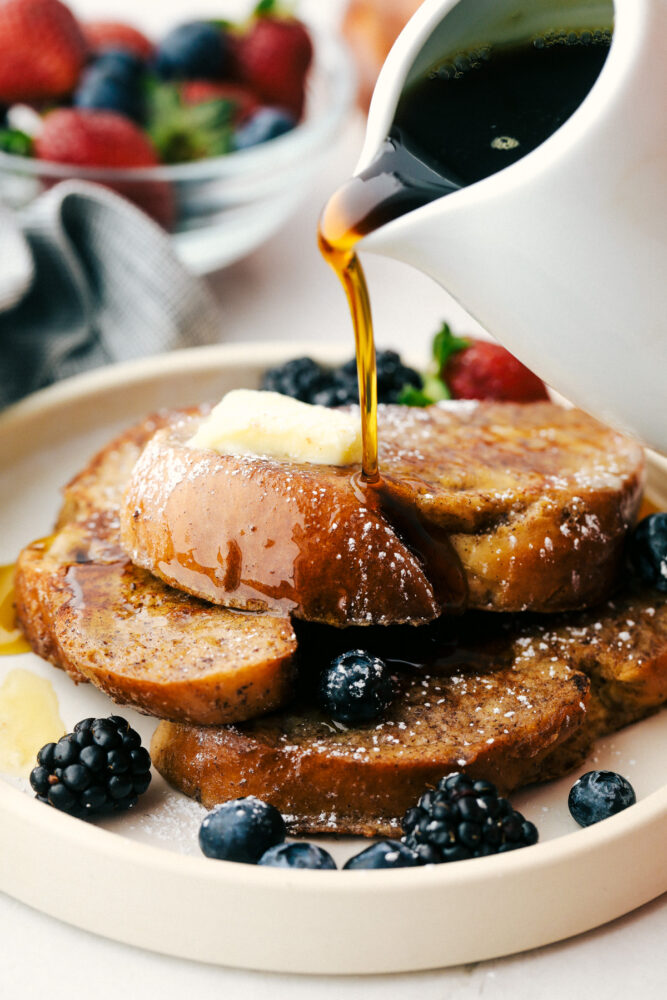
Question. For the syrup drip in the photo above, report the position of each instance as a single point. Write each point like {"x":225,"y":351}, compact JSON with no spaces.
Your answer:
{"x":430,"y":543}
{"x":11,"y":638}
{"x":395,"y":183}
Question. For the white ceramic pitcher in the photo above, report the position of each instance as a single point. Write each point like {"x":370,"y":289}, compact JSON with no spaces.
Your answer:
{"x":563,"y":255}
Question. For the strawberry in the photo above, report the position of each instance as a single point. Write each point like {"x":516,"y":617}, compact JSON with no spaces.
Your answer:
{"x":42,"y":50}
{"x":479,"y":369}
{"x":103,"y":35}
{"x":106,"y":139}
{"x":199,"y":91}
{"x":93,"y":139}
{"x":273,"y":60}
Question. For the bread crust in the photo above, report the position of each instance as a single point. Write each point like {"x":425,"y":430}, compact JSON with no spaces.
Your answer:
{"x":568,"y":681}
{"x":85,"y":607}
{"x":537,"y":501}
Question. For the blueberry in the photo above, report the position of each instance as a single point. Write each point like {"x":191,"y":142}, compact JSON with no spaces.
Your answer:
{"x":385,"y":854}
{"x":195,"y":50}
{"x":112,"y":83}
{"x":241,"y":830}
{"x":297,"y":856}
{"x":121,"y":63}
{"x":648,"y":550}
{"x":265,"y":124}
{"x":597,"y":795}
{"x":357,"y":687}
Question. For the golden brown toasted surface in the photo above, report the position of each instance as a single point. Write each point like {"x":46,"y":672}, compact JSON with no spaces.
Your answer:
{"x":85,"y":607}
{"x":257,"y":533}
{"x":331,"y":779}
{"x":513,"y":707}
{"x":536,"y":500}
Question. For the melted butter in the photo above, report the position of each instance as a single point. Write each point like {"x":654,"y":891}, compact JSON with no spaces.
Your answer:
{"x":11,"y":638}
{"x":29,"y":718}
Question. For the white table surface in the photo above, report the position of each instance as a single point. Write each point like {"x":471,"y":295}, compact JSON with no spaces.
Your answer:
{"x":285,"y":291}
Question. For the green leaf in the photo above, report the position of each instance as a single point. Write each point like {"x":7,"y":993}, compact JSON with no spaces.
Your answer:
{"x":436,"y":389}
{"x":183,"y":133}
{"x":274,"y":8}
{"x":445,"y":344}
{"x":410,"y":395}
{"x":432,"y":391}
{"x":15,"y":142}
{"x":265,"y":8}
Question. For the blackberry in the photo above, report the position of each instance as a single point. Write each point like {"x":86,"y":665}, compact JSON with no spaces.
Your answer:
{"x":648,"y":550}
{"x":357,"y":687}
{"x":597,"y":795}
{"x":304,"y":379}
{"x":462,"y":819}
{"x":99,"y":768}
{"x":300,"y":378}
{"x":337,"y":390}
{"x":393,"y":376}
{"x":241,"y":830}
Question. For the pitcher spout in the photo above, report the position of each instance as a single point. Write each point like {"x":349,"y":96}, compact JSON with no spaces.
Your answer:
{"x":561,"y":255}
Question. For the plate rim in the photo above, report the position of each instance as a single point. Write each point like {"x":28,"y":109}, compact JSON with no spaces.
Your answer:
{"x":346,"y":889}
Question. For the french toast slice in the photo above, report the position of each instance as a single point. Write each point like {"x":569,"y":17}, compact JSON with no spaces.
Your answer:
{"x":555,"y":687}
{"x":84,"y":606}
{"x":534,"y":500}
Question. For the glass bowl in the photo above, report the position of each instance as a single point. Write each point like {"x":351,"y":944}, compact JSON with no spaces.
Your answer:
{"x":222,"y":208}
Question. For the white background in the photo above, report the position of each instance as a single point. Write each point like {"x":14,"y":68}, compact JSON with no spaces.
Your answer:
{"x":285,"y":291}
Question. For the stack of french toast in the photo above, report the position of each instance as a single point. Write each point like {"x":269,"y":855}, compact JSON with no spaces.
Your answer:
{"x":211,"y":591}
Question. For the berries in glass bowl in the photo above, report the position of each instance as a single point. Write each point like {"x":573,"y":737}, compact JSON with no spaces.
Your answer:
{"x":234,"y":150}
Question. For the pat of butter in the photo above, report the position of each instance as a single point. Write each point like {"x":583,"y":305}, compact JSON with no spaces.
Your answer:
{"x":247,"y":422}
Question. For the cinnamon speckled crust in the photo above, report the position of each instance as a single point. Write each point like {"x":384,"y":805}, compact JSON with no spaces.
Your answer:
{"x":570,"y":680}
{"x":537,"y":501}
{"x":329,"y":779}
{"x":84,"y":606}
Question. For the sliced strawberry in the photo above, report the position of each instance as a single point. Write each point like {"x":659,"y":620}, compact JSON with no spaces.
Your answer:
{"x":103,"y":35}
{"x":200,"y":91}
{"x":106,"y":139}
{"x":273,"y":59}
{"x":484,"y":370}
{"x":42,"y":50}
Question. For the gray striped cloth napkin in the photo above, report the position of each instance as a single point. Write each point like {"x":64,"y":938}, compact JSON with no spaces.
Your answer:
{"x":87,"y":279}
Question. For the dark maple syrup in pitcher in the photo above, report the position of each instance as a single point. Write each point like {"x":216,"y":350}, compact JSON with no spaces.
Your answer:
{"x":472,"y":115}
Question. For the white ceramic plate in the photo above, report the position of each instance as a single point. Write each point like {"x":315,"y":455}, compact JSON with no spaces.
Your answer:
{"x":140,"y":878}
